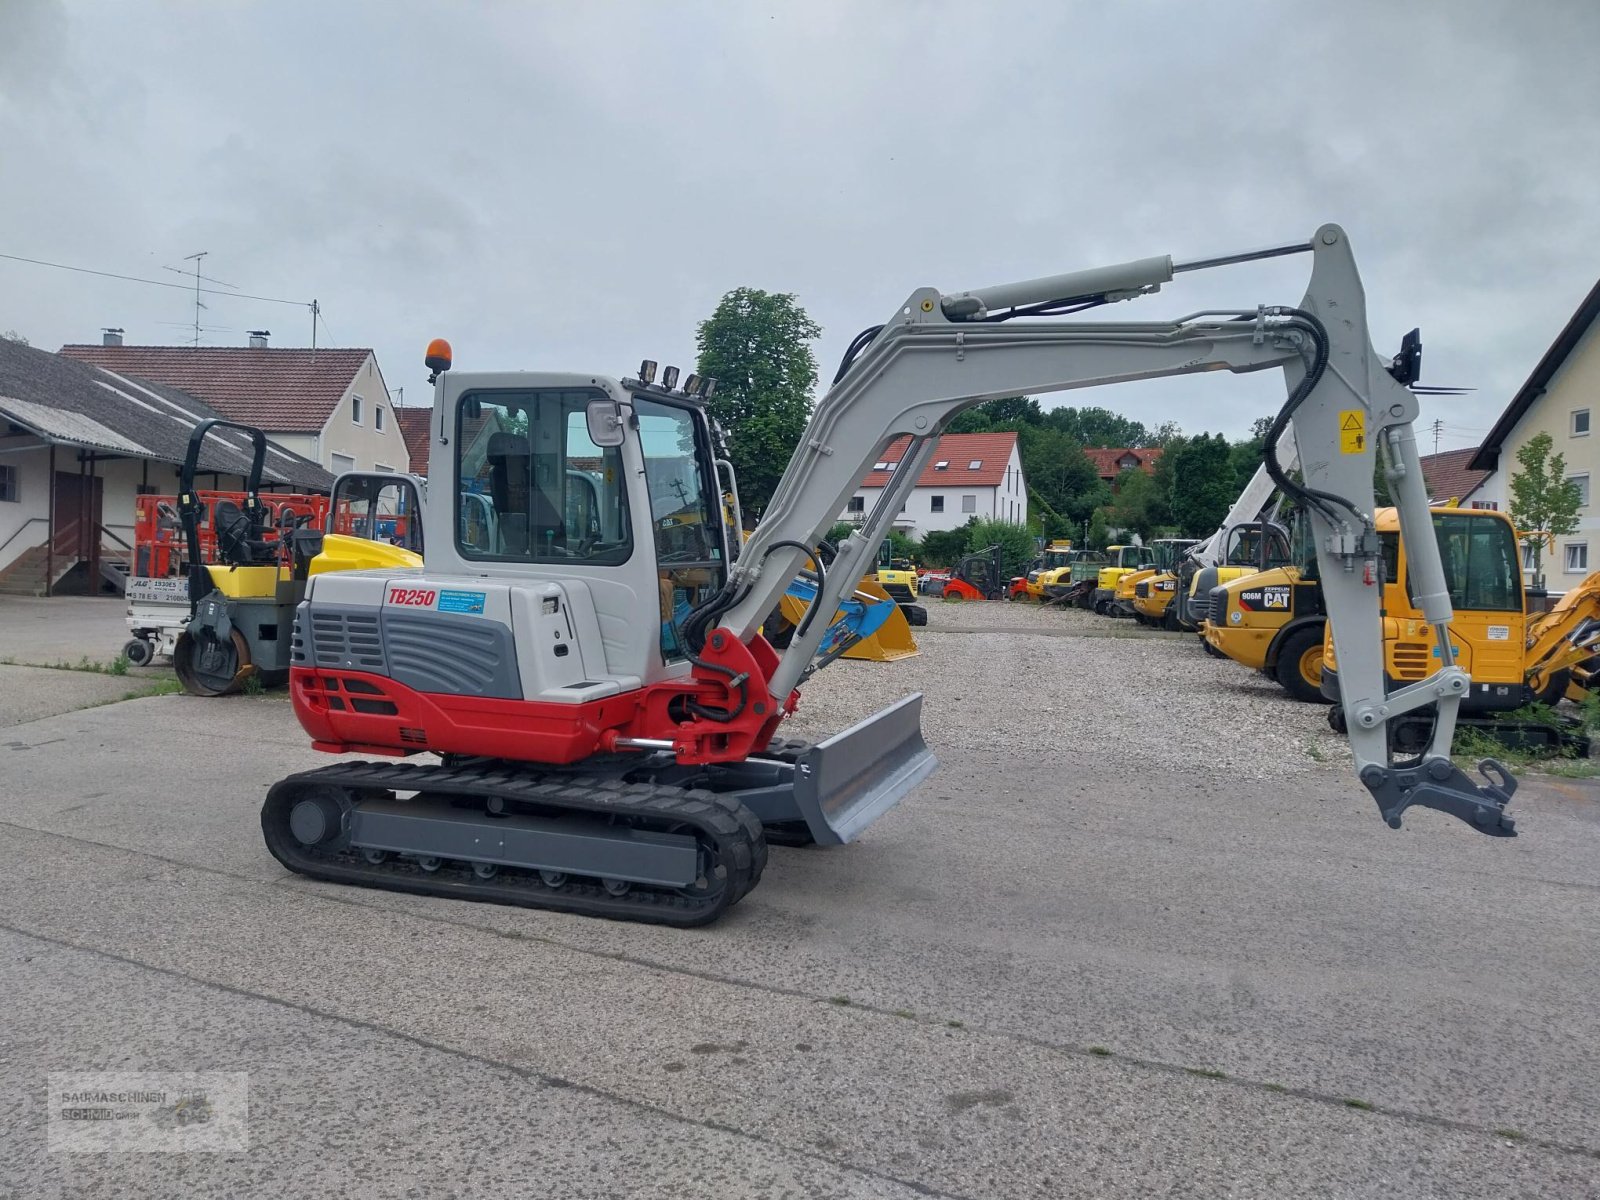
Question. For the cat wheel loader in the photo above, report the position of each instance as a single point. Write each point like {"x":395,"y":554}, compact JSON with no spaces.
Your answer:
{"x":1160,"y":556}
{"x":594,"y":759}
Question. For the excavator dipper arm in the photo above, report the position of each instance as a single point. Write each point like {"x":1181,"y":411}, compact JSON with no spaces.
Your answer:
{"x":940,"y":354}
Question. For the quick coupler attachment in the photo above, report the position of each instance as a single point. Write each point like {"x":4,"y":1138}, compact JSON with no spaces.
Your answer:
{"x":1438,"y":783}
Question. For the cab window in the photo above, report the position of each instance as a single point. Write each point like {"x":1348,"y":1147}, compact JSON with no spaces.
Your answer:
{"x":685,"y":512}
{"x":380,"y":508}
{"x":534,"y":488}
{"x":1480,"y":562}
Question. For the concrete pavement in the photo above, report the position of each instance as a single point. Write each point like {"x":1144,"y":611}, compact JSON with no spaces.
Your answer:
{"x":1035,"y":978}
{"x":62,"y":629}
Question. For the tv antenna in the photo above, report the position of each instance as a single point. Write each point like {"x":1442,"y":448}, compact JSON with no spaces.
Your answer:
{"x":199,"y":306}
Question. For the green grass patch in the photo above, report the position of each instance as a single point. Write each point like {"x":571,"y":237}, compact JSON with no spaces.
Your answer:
{"x":905,"y":1013}
{"x":1275,"y":1087}
{"x":955,"y":1024}
{"x":841,"y":1001}
{"x":1206,"y":1073}
{"x":1511,"y":1135}
{"x":1352,"y":1102}
{"x":1100,"y":1051}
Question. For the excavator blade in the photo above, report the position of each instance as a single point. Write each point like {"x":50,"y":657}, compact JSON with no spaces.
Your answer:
{"x":844,"y":784}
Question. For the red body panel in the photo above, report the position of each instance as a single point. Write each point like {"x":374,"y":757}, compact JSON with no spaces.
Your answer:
{"x":960,"y":589}
{"x":357,"y":712}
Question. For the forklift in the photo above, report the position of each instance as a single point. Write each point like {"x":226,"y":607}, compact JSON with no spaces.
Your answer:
{"x":978,"y":577}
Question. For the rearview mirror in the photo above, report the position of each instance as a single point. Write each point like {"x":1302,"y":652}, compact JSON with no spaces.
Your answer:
{"x":605,"y":423}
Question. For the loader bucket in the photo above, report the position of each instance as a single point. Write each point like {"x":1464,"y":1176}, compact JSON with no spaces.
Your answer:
{"x":844,"y":784}
{"x":891,"y":641}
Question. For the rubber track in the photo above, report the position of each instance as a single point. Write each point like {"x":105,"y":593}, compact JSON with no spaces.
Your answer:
{"x":730,"y":827}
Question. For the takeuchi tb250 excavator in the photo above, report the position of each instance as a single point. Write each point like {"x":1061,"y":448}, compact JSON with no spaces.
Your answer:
{"x":608,"y":716}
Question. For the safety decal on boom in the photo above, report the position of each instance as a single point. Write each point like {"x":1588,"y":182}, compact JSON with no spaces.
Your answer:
{"x":1352,"y":431}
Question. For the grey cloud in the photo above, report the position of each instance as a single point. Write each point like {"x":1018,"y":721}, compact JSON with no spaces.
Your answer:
{"x":574,"y":186}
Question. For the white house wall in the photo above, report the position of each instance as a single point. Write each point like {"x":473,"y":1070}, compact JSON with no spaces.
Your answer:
{"x":1575,"y":388}
{"x":1007,"y":502}
{"x":371,"y":448}
{"x":19,"y":532}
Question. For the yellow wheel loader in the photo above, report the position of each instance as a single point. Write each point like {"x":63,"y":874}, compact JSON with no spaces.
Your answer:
{"x":1152,"y":600}
{"x":1160,"y":555}
{"x":1051,"y":562}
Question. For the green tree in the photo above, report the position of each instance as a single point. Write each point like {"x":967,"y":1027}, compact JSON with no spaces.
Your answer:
{"x":757,"y":345}
{"x":1140,"y":506}
{"x":11,"y":335}
{"x":1097,"y":427}
{"x":1201,"y":481}
{"x":1544,"y":502}
{"x":1004,"y":413}
{"x":944,"y":547}
{"x":1099,"y":532}
{"x":1017,"y":547}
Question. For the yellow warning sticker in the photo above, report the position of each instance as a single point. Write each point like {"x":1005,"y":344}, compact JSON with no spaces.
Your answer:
{"x":1352,"y":431}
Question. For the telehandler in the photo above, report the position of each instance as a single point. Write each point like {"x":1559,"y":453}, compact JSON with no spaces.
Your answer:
{"x":597,"y":760}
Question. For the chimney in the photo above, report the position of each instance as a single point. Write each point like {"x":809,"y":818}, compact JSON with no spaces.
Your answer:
{"x":258,"y":338}
{"x":111,"y":337}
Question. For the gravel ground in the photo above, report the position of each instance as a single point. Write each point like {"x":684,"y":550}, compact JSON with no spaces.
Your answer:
{"x":1103,"y":690}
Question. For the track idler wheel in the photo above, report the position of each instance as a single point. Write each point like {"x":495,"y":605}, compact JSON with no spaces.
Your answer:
{"x":208,"y":667}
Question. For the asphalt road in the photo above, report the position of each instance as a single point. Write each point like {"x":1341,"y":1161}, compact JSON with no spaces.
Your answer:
{"x":1035,"y":978}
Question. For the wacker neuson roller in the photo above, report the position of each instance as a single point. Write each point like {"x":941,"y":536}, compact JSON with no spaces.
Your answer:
{"x":587,"y":662}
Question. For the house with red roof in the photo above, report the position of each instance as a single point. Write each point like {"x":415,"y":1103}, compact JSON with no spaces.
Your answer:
{"x":1451,"y":478}
{"x":1109,"y":463}
{"x":970,"y":475}
{"x":329,"y":404}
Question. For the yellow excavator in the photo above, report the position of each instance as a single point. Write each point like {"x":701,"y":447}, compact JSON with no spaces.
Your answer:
{"x":1514,"y":659}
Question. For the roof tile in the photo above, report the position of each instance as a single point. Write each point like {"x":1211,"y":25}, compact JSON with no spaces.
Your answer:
{"x":280,"y":390}
{"x":992,"y":450}
{"x":1449,"y":477}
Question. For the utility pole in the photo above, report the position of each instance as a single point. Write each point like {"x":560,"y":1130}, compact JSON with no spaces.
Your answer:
{"x":1438,"y":428}
{"x":316,"y":310}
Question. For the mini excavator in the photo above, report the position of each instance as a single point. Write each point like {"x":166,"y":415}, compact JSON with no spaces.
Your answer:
{"x":607,"y":717}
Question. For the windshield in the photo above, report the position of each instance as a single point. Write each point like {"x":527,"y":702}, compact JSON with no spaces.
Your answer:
{"x":1480,"y":562}
{"x":378,"y":508}
{"x":534,"y":488}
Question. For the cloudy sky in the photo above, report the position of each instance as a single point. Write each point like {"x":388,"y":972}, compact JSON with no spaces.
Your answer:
{"x":573,"y":186}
